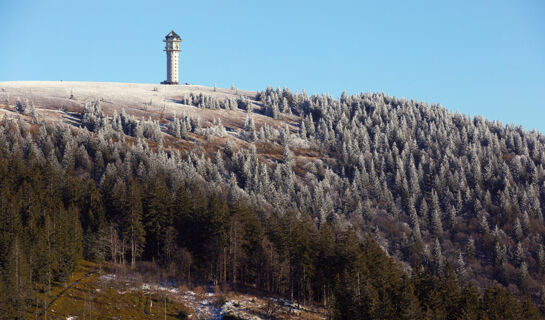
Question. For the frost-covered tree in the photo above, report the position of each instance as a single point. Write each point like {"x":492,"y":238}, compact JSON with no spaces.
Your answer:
{"x":437,"y":256}
{"x":436,"y":225}
{"x":470,"y":247}
{"x":249,"y":129}
{"x":460,"y":266}
{"x":21,"y":107}
{"x":541,"y":258}
{"x":288,"y":157}
{"x":518,"y":229}
{"x":519,"y":255}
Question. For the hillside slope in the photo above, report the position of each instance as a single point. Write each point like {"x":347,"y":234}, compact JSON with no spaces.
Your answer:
{"x":145,"y":100}
{"x":433,"y":188}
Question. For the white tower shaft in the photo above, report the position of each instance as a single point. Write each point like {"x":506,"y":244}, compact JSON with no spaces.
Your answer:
{"x":173,"y":58}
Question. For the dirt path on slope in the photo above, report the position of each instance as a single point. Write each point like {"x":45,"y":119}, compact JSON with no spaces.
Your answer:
{"x":42,"y":313}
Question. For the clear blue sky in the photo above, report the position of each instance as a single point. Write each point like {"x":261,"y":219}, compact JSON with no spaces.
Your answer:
{"x":480,"y":57}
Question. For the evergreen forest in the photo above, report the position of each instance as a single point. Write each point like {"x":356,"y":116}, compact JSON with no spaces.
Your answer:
{"x":370,"y":206}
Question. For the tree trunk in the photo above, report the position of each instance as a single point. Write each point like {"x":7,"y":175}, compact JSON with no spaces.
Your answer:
{"x":224,"y":264}
{"x":235,"y":256}
{"x":132,"y":246}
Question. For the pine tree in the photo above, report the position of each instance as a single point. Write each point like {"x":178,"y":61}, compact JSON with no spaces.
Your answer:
{"x":529,"y":309}
{"x":460,"y":266}
{"x":437,"y":256}
{"x":519,"y":254}
{"x":288,"y":157}
{"x":20,"y":106}
{"x":303,"y":130}
{"x":451,"y":217}
{"x":525,"y":222}
{"x":470,"y":247}
{"x":285,"y":106}
{"x":523,"y":276}
{"x":484,"y":225}
{"x":423,"y":212}
{"x":415,"y":224}
{"x":436,"y":225}
{"x":541,"y":258}
{"x":499,"y":253}
{"x":469,"y":303}
{"x":285,"y":135}
{"x":518,"y":230}
{"x":249,"y":128}
{"x":499,"y":304}
{"x":133,"y":227}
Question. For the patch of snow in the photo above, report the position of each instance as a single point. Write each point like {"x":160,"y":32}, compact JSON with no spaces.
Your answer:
{"x":146,"y":286}
{"x":108,"y":276}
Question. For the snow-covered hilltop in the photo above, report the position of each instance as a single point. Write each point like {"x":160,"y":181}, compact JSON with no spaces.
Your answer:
{"x":148,"y":100}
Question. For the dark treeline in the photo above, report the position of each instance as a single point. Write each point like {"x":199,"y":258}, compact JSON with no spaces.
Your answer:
{"x":67,"y":194}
